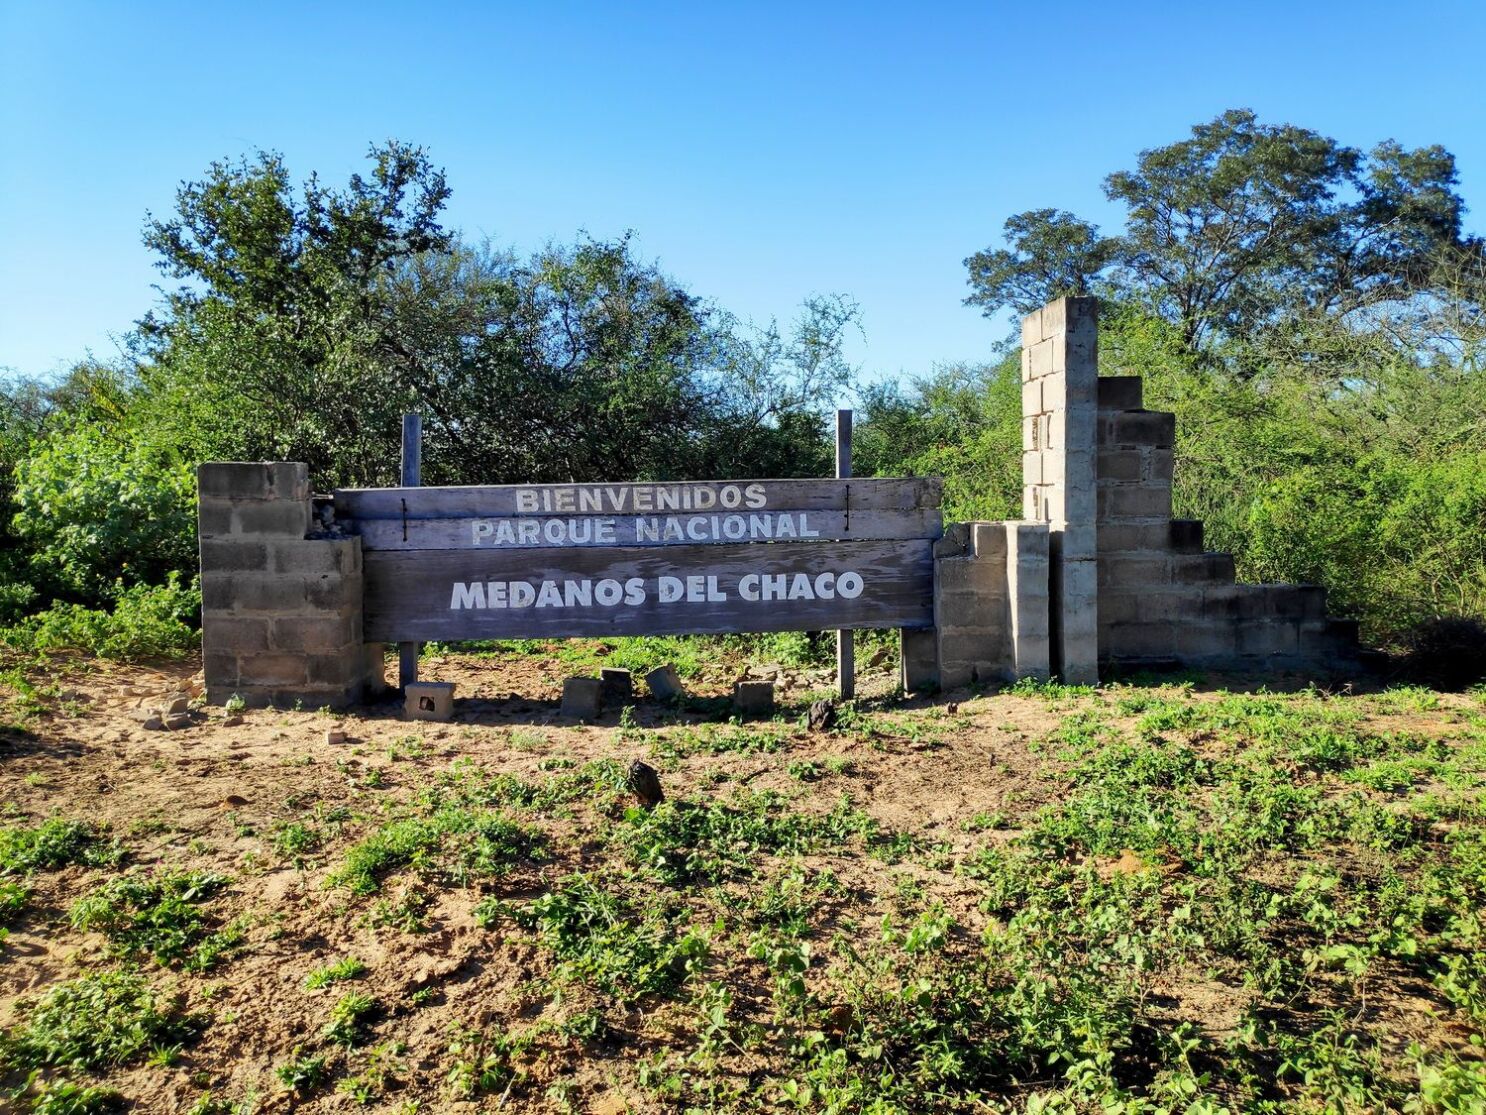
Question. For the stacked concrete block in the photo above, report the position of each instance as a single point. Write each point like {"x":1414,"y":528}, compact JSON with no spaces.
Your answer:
{"x":990,"y":604}
{"x":281,"y":611}
{"x":1060,"y":367}
{"x":1164,"y":601}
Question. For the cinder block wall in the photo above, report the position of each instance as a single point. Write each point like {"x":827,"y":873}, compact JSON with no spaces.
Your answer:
{"x":1060,"y":368}
{"x":1166,"y":602}
{"x":281,"y":610}
{"x":990,"y":604}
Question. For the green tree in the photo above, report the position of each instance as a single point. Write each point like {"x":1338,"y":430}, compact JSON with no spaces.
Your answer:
{"x":1240,"y":226}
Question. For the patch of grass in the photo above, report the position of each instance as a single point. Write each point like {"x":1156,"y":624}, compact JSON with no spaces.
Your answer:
{"x":295,"y":840}
{"x":304,"y":1072}
{"x":349,"y":1018}
{"x":159,"y":916}
{"x":456,"y":843}
{"x":13,"y":899}
{"x":55,"y":843}
{"x":346,"y":968}
{"x":606,"y":940}
{"x":686,"y":841}
{"x":97,"y":1021}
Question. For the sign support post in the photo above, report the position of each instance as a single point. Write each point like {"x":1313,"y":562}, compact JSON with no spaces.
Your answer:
{"x":845,"y":647}
{"x":412,"y":477}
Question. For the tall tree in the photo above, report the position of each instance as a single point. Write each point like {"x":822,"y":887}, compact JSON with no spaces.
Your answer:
{"x":1240,"y":225}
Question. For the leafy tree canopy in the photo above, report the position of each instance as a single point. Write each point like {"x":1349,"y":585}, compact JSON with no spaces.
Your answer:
{"x":1240,"y":226}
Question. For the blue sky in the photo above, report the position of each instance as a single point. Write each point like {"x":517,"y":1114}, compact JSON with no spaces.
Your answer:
{"x":760,"y":152}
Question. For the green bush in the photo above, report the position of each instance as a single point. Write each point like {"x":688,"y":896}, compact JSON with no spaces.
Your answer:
{"x":100,"y":507}
{"x":146,"y":622}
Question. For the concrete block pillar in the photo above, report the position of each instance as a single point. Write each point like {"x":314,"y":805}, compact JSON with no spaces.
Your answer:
{"x":281,"y":610}
{"x":990,"y":603}
{"x":1060,"y":369}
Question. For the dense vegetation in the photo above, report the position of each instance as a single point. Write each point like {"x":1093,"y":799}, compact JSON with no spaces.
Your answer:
{"x":1315,"y":315}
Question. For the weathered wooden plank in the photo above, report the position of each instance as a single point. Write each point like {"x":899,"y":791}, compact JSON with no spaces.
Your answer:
{"x":688,"y":497}
{"x":533,"y":532}
{"x":558,"y":593}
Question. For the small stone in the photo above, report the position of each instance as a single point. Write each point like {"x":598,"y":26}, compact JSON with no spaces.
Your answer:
{"x":664,"y":683}
{"x":232,"y":721}
{"x":335,"y":736}
{"x":178,"y":721}
{"x":644,"y":783}
{"x":822,"y":715}
{"x":581,"y":698}
{"x":152,"y":723}
{"x":176,"y":704}
{"x":616,"y":687}
{"x":754,"y":698}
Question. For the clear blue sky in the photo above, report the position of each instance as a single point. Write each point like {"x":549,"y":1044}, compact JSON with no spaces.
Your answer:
{"x":760,"y":152}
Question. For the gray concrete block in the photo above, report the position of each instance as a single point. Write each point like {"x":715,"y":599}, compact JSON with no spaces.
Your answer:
{"x":1141,"y":427}
{"x":1120,"y":463}
{"x":954,"y":542}
{"x":233,"y":556}
{"x":919,"y":659}
{"x":1134,"y":572}
{"x":616,"y":687}
{"x":219,"y":668}
{"x":970,"y":576}
{"x":341,"y":669}
{"x":428,"y":700}
{"x":988,"y":541}
{"x":314,"y":635}
{"x":664,"y":683}
{"x":753,"y":698}
{"x":374,"y":669}
{"x":1031,"y":329}
{"x":1206,"y":641}
{"x":332,"y":594}
{"x":1201,"y":569}
{"x":1140,"y":639}
{"x":1134,"y":501}
{"x":214,"y":518}
{"x":272,"y":669}
{"x":1160,"y":465}
{"x":317,"y":556}
{"x":1120,"y":393}
{"x":233,"y":635}
{"x":287,"y":480}
{"x":1185,"y":536}
{"x":1133,"y":538}
{"x":581,"y":698}
{"x":1267,"y":637}
{"x":273,"y":518}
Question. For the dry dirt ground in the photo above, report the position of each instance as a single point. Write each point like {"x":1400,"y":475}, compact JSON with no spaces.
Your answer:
{"x":271,"y":805}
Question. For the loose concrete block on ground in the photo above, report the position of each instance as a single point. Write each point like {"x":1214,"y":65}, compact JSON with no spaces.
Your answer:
{"x":664,"y":683}
{"x":753,"y":698}
{"x":582,"y":698}
{"x":616,"y":687}
{"x":429,"y":700}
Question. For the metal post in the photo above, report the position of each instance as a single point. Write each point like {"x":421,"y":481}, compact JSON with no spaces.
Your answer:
{"x":412,"y":477}
{"x":846,"y":682}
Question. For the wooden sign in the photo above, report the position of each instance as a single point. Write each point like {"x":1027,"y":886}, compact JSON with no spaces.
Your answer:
{"x":803,"y":586}
{"x":561,"y":560}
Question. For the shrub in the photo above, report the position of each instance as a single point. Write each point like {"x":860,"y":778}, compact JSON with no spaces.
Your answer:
{"x":96,"y":1021}
{"x":99,"y":507}
{"x":146,"y":622}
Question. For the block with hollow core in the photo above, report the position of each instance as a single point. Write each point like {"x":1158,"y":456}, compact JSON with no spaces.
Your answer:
{"x":582,"y":698}
{"x":429,"y":700}
{"x":753,"y":698}
{"x":616,"y":687}
{"x":664,"y":683}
